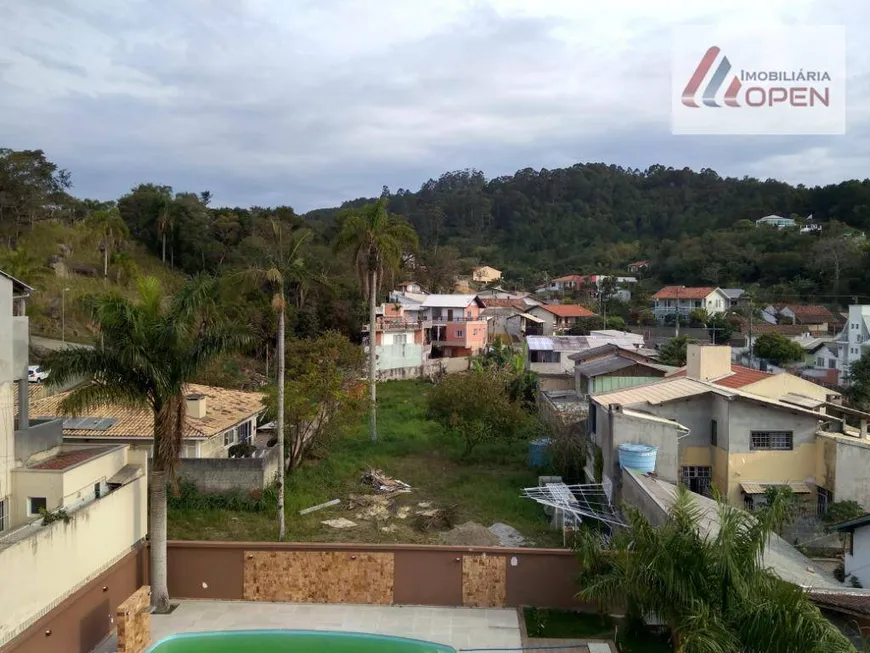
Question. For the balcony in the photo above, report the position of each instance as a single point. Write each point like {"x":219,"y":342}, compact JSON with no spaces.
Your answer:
{"x":443,"y":319}
{"x":398,"y":324}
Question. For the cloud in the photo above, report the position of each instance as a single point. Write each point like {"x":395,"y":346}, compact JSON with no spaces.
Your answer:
{"x":309,"y":103}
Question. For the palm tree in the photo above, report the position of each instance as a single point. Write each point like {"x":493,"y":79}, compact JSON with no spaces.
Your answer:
{"x":283,"y":271}
{"x":153,"y":346}
{"x":712,"y":591}
{"x":164,"y":219}
{"x":377,"y":241}
{"x":112,"y":230}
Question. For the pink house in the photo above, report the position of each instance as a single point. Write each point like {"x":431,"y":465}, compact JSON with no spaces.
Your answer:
{"x":453,"y":324}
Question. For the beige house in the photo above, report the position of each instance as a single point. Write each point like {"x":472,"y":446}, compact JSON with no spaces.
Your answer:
{"x":67,"y":511}
{"x":485,"y":274}
{"x":217,"y":418}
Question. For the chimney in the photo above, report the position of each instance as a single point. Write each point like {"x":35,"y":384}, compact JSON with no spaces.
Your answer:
{"x":706,"y":362}
{"x":196,"y":406}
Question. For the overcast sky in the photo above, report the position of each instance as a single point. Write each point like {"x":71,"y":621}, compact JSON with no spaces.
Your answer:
{"x":311,"y":102}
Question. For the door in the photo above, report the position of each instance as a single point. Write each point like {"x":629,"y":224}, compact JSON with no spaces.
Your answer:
{"x":449,"y":314}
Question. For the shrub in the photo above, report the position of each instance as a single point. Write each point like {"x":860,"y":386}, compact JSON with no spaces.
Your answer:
{"x":189,"y":497}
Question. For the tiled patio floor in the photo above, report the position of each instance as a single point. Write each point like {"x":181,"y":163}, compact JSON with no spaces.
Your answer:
{"x":456,"y":627}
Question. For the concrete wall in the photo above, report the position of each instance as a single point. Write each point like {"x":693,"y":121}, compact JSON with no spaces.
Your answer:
{"x":399,"y":356}
{"x":222,"y":474}
{"x":852,"y":481}
{"x":39,"y":565}
{"x":38,"y":437}
{"x":20,"y":346}
{"x":857,"y":563}
{"x":630,"y":429}
{"x":548,"y":318}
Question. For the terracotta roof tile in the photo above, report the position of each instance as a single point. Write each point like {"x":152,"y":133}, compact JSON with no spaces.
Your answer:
{"x":567,"y":310}
{"x":810,"y":310}
{"x":740,"y":376}
{"x":67,"y":459}
{"x":682,"y":292}
{"x":224,"y":409}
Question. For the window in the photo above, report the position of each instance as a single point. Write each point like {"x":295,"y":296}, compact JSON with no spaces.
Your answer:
{"x":459,"y":333}
{"x":245,"y":432}
{"x":859,"y":338}
{"x":544,"y":356}
{"x":824,"y":499}
{"x":771,"y":441}
{"x":229,"y":437}
{"x":714,"y":432}
{"x":97,"y":490}
{"x":696,"y":478}
{"x":820,"y":362}
{"x":35,"y":504}
{"x":3,"y":515}
{"x":698,"y":303}
{"x":400,"y":339}
{"x":593,"y":418}
{"x":832,"y":364}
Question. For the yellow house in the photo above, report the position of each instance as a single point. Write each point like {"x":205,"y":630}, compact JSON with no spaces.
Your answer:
{"x":736,"y":439}
{"x":485,"y":274}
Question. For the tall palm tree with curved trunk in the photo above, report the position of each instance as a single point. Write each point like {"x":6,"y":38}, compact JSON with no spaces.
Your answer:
{"x":283,"y":271}
{"x":112,"y":231}
{"x":153,"y":346}
{"x":377,"y":241}
{"x":711,"y":590}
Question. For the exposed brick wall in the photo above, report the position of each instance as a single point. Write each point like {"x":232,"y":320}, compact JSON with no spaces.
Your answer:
{"x":133,"y":620}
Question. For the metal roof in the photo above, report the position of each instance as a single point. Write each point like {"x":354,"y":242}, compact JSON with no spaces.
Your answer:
{"x":733,"y":293}
{"x":801,"y":400}
{"x":604,"y":365}
{"x":448,"y":301}
{"x":798,"y":487}
{"x":16,"y":284}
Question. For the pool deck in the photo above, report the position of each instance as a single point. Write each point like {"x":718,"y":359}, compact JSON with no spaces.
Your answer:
{"x":456,"y":627}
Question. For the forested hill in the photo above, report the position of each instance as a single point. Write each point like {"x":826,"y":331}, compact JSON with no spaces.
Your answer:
{"x":693,"y":226}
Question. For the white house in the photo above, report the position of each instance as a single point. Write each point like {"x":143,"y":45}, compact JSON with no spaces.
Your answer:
{"x":857,"y":559}
{"x":672,"y":299}
{"x":854,"y":340}
{"x":775,"y":221}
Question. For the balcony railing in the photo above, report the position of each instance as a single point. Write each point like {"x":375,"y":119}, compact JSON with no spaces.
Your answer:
{"x":443,"y":319}
{"x":398,"y":324}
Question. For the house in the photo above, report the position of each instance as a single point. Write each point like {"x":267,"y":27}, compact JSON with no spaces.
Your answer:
{"x":671,"y":300}
{"x":775,"y":221}
{"x":485,"y":274}
{"x":216,"y":419}
{"x":637,"y":266}
{"x":815,"y":315}
{"x":591,"y":284}
{"x":856,"y":562}
{"x":709,"y":433}
{"x":853,"y":342}
{"x":550,"y":356}
{"x":455,"y":326}
{"x":411,"y":287}
{"x":738,"y":297}
{"x":399,"y":337}
{"x":611,"y":367}
{"x":558,"y":318}
{"x":67,"y":511}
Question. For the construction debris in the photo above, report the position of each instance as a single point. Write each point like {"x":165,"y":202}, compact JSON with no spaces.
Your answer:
{"x":382,"y":483}
{"x":403,"y":512}
{"x":375,"y":511}
{"x":435,"y":519}
{"x":392,"y":528}
{"x":357,"y":500}
{"x":320,"y":506}
{"x":507,"y":535}
{"x":424,"y":504}
{"x":341,"y":522}
{"x":469,"y":534}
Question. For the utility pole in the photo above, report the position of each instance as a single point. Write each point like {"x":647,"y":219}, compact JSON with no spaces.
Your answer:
{"x":63,"y":315}
{"x":750,"y":331}
{"x":677,"y":315}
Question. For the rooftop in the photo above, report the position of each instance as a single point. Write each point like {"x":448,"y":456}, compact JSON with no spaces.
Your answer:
{"x":225,"y":409}
{"x":682,"y":292}
{"x":450,"y":301}
{"x":734,"y":293}
{"x":567,"y":310}
{"x":18,"y":287}
{"x":779,"y":556}
{"x":69,"y":457}
{"x":740,"y":376}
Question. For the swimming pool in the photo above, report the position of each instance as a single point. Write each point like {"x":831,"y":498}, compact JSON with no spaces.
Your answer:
{"x":292,"y":641}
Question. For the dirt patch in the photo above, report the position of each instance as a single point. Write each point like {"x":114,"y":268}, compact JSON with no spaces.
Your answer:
{"x":469,"y":534}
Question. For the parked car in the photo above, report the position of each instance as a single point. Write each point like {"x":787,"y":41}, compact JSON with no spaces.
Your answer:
{"x":36,"y":373}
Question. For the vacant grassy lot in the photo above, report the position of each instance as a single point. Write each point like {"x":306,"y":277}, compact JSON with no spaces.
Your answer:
{"x":413,"y":449}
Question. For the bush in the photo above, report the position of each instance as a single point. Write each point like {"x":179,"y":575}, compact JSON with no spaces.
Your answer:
{"x":189,"y":497}
{"x":241,"y":450}
{"x":777,"y":348}
{"x":843,"y":511}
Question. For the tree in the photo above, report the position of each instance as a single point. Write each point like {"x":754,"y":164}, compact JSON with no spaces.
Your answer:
{"x":376,"y":241}
{"x":720,"y":328}
{"x":777,"y":348}
{"x":283,"y":269}
{"x":31,"y":187}
{"x":321,"y":393}
{"x":112,"y":231}
{"x":712,"y":590}
{"x":673,"y":352}
{"x":858,"y":390}
{"x":834,"y":256}
{"x":698,"y":317}
{"x":152,"y":347}
{"x":476,"y":408}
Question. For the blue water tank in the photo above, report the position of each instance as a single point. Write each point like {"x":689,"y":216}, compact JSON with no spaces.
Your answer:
{"x":538,"y":452}
{"x":640,"y":457}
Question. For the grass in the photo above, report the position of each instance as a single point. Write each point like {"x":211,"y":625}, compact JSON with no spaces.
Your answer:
{"x":412,"y":448}
{"x":565,"y":624}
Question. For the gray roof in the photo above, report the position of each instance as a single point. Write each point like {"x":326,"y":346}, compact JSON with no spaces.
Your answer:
{"x":779,"y":556}
{"x":17,"y":286}
{"x":614,"y":347}
{"x":449,"y":301}
{"x":734,"y":293}
{"x":604,"y":365}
